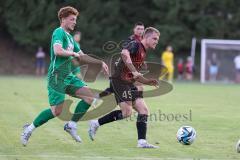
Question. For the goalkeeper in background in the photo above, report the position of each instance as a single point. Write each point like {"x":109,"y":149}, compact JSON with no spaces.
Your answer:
{"x":167,"y":61}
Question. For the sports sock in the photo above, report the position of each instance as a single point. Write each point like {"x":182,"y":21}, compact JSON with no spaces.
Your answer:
{"x":31,"y":127}
{"x":80,"y":110}
{"x":142,"y":126}
{"x":113,"y":116}
{"x":43,"y":117}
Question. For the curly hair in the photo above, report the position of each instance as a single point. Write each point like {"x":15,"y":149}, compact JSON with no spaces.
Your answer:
{"x":66,"y":11}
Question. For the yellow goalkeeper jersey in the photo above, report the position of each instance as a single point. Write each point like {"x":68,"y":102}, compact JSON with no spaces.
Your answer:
{"x":167,"y":59}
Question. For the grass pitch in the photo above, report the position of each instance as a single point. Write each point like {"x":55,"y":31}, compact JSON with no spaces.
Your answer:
{"x":213,"y":110}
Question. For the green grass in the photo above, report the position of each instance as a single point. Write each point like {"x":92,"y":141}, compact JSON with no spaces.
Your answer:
{"x":215,"y":116}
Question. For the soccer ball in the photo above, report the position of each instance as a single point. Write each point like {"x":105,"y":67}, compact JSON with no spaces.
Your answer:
{"x":238,"y":147}
{"x":186,"y":135}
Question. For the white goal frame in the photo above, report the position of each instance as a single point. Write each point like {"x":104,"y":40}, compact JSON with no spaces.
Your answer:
{"x":204,"y":42}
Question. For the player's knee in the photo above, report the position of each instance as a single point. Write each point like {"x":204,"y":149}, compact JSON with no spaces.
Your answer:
{"x":144,"y":111}
{"x":127,"y":112}
{"x":141,"y":107}
{"x":85,"y":94}
{"x":56,"y":111}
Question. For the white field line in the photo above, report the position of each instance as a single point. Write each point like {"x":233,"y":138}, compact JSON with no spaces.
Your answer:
{"x":102,"y":157}
{"x":42,"y":155}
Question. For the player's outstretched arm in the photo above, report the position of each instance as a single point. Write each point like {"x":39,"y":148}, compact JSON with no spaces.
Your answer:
{"x":143,"y":80}
{"x":136,"y":75}
{"x":59,"y":51}
{"x":127,"y":60}
{"x":88,"y":59}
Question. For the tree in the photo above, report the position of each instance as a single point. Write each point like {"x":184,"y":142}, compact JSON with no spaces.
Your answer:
{"x":30,"y":22}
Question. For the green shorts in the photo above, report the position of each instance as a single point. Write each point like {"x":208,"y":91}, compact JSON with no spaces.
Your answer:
{"x":57,"y":90}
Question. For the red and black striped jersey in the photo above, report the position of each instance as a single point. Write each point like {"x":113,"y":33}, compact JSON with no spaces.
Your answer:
{"x":137,"y":54}
{"x":135,"y":37}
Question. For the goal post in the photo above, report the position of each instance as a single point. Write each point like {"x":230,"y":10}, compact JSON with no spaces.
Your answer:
{"x":217,"y":60}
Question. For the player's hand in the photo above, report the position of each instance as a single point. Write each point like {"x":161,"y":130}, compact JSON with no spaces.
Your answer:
{"x":105,"y":69}
{"x":153,"y":82}
{"x":75,"y":54}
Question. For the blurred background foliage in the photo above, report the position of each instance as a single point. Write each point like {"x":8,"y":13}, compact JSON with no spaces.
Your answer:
{"x":29,"y":23}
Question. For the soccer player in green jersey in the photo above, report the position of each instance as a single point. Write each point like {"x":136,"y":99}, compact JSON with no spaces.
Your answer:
{"x":61,"y":80}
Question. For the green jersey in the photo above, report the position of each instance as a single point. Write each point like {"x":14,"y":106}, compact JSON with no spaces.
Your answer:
{"x":59,"y":63}
{"x":76,"y":69}
{"x":61,"y":80}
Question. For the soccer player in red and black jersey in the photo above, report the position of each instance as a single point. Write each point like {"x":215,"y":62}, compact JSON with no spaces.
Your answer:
{"x":126,"y":93}
{"x":137,"y":36}
{"x":137,"y":32}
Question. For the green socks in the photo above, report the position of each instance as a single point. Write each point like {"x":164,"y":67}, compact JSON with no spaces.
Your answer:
{"x":47,"y":114}
{"x":80,"y":110}
{"x":43,"y":117}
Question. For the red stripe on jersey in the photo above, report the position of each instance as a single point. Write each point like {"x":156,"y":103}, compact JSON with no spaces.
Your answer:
{"x":137,"y":60}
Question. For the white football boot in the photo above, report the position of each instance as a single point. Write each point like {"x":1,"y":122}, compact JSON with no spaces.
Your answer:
{"x":142,"y":143}
{"x":93,"y":127}
{"x":71,"y":128}
{"x":238,"y":147}
{"x":26,"y":134}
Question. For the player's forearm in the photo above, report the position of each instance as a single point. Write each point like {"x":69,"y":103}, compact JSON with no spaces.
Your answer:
{"x":88,"y":59}
{"x":131,"y":67}
{"x":62,"y":52}
{"x":127,"y":60}
{"x":142,"y":80}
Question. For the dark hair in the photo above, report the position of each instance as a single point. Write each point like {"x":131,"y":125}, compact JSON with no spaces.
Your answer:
{"x":66,"y":11}
{"x":138,"y":24}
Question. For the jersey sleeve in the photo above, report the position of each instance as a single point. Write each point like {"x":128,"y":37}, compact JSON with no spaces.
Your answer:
{"x":76,"y":47}
{"x":58,"y":37}
{"x":132,"y":47}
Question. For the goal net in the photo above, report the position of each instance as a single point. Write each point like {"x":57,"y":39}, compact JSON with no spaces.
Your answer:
{"x":217,"y":60}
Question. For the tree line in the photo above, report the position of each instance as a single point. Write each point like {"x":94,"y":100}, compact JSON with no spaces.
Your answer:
{"x":30,"y":22}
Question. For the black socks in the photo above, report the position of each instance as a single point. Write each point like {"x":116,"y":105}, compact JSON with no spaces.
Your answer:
{"x":113,"y":116}
{"x":142,"y":126}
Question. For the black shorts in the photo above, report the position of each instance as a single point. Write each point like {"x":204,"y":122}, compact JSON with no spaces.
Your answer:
{"x":124,"y":91}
